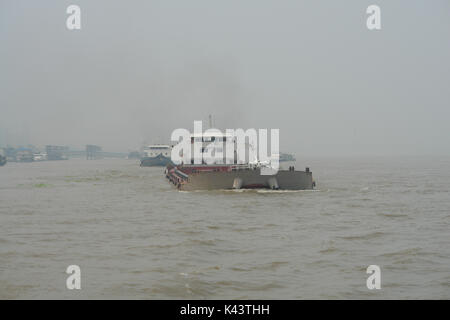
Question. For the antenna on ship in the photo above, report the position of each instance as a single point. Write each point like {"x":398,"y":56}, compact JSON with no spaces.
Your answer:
{"x":210,"y":121}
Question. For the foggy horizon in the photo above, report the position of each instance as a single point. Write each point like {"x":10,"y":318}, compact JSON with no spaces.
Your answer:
{"x":138,"y":70}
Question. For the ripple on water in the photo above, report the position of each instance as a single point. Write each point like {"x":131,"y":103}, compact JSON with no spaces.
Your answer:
{"x":365,"y":236}
{"x":135,"y":236}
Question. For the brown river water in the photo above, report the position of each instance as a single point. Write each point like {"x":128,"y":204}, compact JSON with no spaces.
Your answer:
{"x":135,"y":237}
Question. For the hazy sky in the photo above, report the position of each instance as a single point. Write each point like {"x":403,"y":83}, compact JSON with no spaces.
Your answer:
{"x":139,"y":69}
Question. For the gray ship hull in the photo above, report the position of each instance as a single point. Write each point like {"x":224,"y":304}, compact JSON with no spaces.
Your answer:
{"x":242,"y":179}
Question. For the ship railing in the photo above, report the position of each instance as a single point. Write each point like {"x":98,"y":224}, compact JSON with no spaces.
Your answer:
{"x":239,"y":167}
{"x":181,"y":174}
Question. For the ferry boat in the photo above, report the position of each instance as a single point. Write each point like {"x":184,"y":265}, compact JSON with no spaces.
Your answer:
{"x":219,"y":176}
{"x":156,"y":155}
{"x":41,"y":156}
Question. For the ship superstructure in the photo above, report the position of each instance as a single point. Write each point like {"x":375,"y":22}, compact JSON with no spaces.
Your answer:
{"x":156,"y":155}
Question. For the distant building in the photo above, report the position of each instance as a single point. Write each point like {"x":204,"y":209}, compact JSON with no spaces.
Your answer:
{"x":56,"y":152}
{"x":24,"y":155}
{"x":10,"y":153}
{"x":93,"y":152}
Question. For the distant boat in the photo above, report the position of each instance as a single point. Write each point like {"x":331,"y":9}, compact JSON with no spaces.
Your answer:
{"x":157,"y":155}
{"x":40,"y":156}
{"x":2,"y":161}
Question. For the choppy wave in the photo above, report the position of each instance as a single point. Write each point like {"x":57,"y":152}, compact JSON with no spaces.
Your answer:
{"x":135,"y":236}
